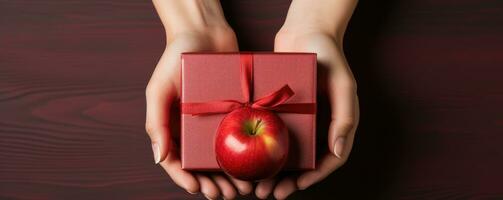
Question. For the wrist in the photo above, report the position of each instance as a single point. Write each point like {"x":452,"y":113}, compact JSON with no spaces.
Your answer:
{"x":299,"y":26}
{"x":191,"y":17}
{"x":326,"y":17}
{"x":293,"y":37}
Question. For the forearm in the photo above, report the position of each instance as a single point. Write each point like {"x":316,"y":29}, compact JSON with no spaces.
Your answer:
{"x":189,"y":16}
{"x":327,"y":16}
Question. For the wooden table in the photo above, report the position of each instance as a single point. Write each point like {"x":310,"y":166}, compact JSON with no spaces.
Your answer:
{"x":73,"y":73}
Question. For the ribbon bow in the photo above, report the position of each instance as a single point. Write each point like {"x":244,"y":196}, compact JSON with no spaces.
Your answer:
{"x":274,"y":101}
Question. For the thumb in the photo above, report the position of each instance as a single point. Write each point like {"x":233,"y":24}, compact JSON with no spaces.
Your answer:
{"x":344,"y":116}
{"x":159,"y":103}
{"x":343,"y":100}
{"x":160,"y":95}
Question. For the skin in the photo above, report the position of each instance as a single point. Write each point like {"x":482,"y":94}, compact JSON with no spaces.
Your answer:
{"x":199,"y":25}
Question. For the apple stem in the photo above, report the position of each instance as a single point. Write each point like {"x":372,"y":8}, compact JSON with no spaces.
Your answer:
{"x":256,"y":127}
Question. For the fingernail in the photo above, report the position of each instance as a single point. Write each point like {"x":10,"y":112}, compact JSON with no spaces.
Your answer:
{"x":190,"y":192}
{"x":157,"y":153}
{"x":301,"y":188}
{"x":208,"y":197}
{"x":339,"y":146}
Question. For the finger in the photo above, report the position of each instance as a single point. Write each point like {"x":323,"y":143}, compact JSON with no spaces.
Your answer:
{"x":285,"y":187}
{"x":160,"y":93}
{"x":182,"y":178}
{"x":157,"y":124}
{"x":342,"y":91}
{"x":344,"y":119}
{"x":244,"y":187}
{"x":228,"y":191}
{"x":208,"y":187}
{"x":264,"y":188}
{"x":328,"y":163}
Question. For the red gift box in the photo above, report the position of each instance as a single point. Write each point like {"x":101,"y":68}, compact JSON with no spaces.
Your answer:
{"x":213,"y":77}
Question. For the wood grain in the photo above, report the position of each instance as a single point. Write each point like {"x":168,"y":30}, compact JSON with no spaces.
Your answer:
{"x":73,"y":73}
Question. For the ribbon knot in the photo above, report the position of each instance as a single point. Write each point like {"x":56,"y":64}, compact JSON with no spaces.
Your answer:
{"x":274,"y":101}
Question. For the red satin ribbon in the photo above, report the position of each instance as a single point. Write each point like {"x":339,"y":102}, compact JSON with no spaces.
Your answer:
{"x":274,"y":101}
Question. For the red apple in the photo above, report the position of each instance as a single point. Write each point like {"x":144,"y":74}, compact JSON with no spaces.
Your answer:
{"x":251,"y":144}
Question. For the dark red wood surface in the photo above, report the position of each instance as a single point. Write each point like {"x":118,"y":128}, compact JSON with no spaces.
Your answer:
{"x":73,"y":73}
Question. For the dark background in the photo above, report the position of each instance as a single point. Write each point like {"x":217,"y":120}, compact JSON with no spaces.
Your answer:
{"x":73,"y":74}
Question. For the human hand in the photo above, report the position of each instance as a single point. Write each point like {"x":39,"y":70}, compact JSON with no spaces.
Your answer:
{"x":190,"y":26}
{"x":319,"y":28}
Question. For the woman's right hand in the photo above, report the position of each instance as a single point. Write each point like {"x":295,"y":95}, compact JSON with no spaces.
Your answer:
{"x":320,"y":28}
{"x":191,"y":26}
